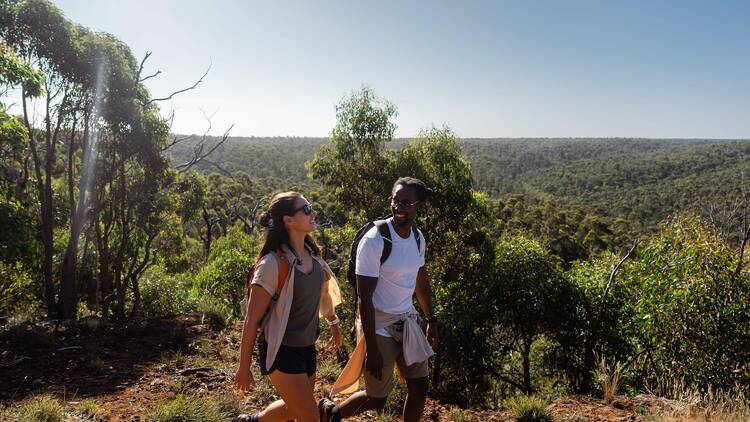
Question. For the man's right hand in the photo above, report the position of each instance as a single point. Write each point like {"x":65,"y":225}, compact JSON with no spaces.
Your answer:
{"x":374,"y":363}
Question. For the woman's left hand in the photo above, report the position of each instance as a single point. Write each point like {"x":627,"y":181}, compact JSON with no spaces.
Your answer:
{"x":335,"y":335}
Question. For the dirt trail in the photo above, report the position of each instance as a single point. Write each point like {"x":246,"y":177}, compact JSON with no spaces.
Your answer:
{"x":129,"y":368}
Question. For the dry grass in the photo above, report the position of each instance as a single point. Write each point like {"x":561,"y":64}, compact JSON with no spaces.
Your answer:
{"x":529,"y":409}
{"x":711,"y":406}
{"x":42,"y":409}
{"x":609,"y":376}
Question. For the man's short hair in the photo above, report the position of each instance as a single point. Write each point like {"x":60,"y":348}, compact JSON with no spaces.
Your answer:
{"x":423,"y":192}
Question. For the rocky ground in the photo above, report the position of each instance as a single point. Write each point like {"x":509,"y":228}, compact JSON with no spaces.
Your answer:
{"x":128,"y":369}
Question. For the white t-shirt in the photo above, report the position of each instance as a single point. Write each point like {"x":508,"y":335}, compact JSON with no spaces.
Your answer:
{"x":397,"y":277}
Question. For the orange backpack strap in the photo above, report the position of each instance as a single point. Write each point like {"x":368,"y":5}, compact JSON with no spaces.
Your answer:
{"x":283,"y":272}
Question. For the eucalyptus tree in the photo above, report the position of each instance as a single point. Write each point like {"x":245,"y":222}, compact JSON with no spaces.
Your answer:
{"x":356,"y":165}
{"x":39,"y":33}
{"x":98,"y":113}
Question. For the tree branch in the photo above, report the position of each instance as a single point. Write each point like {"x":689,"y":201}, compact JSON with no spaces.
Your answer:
{"x":510,"y":381}
{"x":180,"y":91}
{"x":140,"y":68}
{"x":199,"y":155}
{"x":157,"y":73}
{"x":617,"y":268}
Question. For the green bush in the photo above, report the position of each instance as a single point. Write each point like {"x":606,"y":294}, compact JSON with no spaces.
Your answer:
{"x":187,"y":408}
{"x":178,"y":253}
{"x":17,"y":233}
{"x":223,"y":277}
{"x":164,"y":294}
{"x":15,"y":289}
{"x":602,"y":322}
{"x":42,"y":409}
{"x":692,"y":307}
{"x":215,"y":312}
{"x":529,"y":409}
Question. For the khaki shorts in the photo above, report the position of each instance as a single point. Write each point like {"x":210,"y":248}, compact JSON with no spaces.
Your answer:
{"x":390,"y":350}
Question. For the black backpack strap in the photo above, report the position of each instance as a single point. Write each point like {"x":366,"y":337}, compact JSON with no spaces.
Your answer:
{"x":385,"y":233}
{"x":418,"y":238}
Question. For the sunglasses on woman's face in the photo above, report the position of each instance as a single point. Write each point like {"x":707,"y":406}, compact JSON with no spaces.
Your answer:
{"x":307,"y":209}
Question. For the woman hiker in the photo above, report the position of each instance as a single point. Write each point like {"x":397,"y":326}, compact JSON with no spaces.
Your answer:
{"x":288,"y":317}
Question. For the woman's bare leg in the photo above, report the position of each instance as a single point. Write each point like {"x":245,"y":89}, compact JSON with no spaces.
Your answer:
{"x":297,"y":400}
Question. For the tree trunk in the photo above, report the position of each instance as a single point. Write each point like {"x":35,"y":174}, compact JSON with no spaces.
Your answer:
{"x":207,"y":239}
{"x":45,"y":220}
{"x":68,"y":288}
{"x":119,"y":263}
{"x":102,"y":247}
{"x":527,"y":366}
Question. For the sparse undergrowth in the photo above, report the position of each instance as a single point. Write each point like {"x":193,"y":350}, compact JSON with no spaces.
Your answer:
{"x":529,"y":409}
{"x":42,"y":409}
{"x":188,"y":408}
{"x":190,"y":378}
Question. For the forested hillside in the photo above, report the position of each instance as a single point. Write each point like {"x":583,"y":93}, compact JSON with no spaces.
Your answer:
{"x":641,"y":180}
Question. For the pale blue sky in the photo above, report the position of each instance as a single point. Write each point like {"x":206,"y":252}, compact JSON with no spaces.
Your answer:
{"x":485,"y":68}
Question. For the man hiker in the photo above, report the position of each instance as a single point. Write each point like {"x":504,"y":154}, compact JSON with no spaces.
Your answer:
{"x":390,"y":332}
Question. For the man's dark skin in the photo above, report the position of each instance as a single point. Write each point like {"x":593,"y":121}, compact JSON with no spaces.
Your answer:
{"x":404,"y":206}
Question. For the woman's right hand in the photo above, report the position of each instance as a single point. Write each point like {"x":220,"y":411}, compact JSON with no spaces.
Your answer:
{"x":243,"y":380}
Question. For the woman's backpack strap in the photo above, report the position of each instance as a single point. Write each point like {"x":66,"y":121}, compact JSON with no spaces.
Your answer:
{"x":283,"y":272}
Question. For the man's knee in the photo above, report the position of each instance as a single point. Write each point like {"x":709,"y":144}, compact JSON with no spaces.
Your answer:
{"x":417,"y":387}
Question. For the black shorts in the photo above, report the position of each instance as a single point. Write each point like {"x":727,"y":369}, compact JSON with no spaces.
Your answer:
{"x":289,"y":359}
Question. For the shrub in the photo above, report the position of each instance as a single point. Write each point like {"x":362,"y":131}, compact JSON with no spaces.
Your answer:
{"x":692,"y":306}
{"x":215,"y":313}
{"x":29,"y":337}
{"x":188,"y":408}
{"x":92,"y":411}
{"x":529,"y":409}
{"x":223,"y":277}
{"x":15,"y":292}
{"x":42,"y":409}
{"x":602,"y":325}
{"x":164,"y":294}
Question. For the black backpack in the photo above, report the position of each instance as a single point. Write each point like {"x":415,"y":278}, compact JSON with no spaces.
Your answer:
{"x":385,"y":232}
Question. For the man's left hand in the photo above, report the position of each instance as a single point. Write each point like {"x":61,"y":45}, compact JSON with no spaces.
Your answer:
{"x":432,"y":334}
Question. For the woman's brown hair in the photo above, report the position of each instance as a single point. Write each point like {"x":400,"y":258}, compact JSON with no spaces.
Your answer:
{"x":275,"y":235}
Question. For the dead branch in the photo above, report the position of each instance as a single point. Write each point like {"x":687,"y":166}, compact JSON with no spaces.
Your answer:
{"x":180,"y":91}
{"x":198,"y":153}
{"x":176,"y":140}
{"x":616,"y":269}
{"x":220,"y":168}
{"x":254,"y":213}
{"x":140,"y":68}
{"x":157,"y":73}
